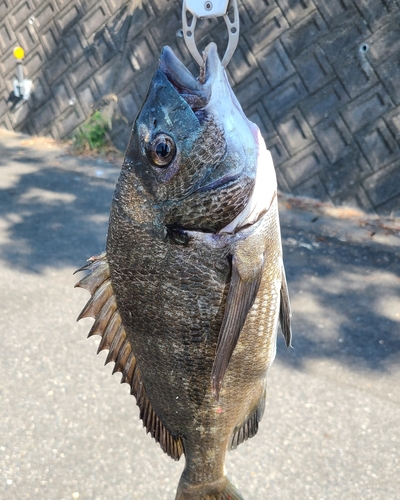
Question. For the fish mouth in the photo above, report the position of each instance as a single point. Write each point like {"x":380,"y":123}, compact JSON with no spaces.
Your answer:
{"x":196,"y":91}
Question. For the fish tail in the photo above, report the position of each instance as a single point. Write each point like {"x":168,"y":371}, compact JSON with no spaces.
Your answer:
{"x":221,"y":489}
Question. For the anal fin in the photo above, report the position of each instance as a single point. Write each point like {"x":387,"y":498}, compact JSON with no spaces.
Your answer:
{"x":108,"y":324}
{"x":250,"y":427}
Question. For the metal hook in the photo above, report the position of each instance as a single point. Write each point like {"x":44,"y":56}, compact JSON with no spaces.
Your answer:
{"x":205,"y":10}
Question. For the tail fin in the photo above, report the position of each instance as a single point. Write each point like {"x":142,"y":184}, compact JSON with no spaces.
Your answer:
{"x":222,"y":489}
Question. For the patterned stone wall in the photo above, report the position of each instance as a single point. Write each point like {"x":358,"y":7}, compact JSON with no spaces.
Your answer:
{"x":321,"y":78}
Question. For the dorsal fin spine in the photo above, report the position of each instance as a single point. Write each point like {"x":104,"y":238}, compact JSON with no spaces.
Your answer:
{"x":144,"y":412}
{"x":94,"y":279}
{"x":110,"y":332}
{"x":122,"y":357}
{"x":96,"y":303}
{"x":128,"y":369}
{"x":104,"y":317}
{"x":116,"y":345}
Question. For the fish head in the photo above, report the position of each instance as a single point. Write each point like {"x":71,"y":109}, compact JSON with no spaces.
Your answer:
{"x":192,"y":149}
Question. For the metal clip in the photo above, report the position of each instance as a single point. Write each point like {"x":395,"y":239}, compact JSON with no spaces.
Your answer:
{"x":210,"y":9}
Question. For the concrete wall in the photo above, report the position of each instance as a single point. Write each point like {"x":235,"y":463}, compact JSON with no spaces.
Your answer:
{"x":321,"y":78}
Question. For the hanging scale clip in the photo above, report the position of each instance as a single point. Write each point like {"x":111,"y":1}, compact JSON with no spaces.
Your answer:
{"x":205,"y":9}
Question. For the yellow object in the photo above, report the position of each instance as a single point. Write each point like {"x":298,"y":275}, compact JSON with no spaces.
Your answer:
{"x":19,"y":53}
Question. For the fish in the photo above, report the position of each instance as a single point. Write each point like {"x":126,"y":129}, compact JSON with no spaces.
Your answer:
{"x":189,"y":293}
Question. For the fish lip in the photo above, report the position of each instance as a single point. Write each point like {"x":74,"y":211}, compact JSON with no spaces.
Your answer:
{"x":190,"y":89}
{"x":212,"y":65}
{"x":197,"y":92}
{"x":177,"y":73}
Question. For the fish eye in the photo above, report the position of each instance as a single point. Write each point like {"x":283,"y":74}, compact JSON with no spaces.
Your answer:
{"x":161,"y":151}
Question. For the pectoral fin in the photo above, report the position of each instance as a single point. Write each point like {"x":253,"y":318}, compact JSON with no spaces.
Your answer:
{"x":285,"y":313}
{"x":242,"y":292}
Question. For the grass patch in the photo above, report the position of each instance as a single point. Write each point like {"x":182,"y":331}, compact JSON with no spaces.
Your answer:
{"x":92,"y":136}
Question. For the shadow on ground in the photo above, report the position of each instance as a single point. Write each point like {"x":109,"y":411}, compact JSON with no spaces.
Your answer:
{"x":345,"y":295}
{"x":345,"y":298}
{"x":53,"y":216}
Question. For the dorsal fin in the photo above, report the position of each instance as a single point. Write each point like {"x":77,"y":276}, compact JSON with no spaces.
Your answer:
{"x":102,"y":306}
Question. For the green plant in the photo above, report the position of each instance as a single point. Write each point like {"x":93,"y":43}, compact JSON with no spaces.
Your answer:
{"x":92,"y":135}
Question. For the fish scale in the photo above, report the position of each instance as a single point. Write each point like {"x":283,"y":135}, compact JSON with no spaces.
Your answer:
{"x":191,"y":288}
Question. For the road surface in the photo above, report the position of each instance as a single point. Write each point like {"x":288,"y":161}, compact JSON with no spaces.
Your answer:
{"x":69,"y":430}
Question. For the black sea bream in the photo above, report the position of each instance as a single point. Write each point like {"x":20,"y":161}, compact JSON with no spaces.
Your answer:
{"x":191,"y":288}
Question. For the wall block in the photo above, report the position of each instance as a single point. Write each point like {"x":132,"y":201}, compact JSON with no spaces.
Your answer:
{"x":320,"y":78}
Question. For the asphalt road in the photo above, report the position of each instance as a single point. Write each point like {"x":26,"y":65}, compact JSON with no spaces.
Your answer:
{"x":69,"y":430}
